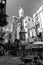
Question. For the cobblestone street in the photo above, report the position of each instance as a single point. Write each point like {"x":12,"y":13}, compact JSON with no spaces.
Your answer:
{"x":9,"y":60}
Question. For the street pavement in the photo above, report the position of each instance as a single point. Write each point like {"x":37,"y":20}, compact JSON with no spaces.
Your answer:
{"x":9,"y":60}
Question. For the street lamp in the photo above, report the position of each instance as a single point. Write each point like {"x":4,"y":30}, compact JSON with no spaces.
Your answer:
{"x":3,"y":2}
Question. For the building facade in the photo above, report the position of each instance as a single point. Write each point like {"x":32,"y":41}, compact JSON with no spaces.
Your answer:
{"x":38,"y":18}
{"x":29,"y":27}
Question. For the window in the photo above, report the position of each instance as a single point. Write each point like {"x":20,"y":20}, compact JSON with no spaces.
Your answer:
{"x":26,"y":26}
{"x":29,"y":19}
{"x":32,"y":20}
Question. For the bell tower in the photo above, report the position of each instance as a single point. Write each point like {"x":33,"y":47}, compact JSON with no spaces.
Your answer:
{"x":21,"y":16}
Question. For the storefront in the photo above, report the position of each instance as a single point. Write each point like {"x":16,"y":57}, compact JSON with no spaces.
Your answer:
{"x":32,"y":32}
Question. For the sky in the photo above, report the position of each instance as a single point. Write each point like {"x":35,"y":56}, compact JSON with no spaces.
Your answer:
{"x":29,"y":6}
